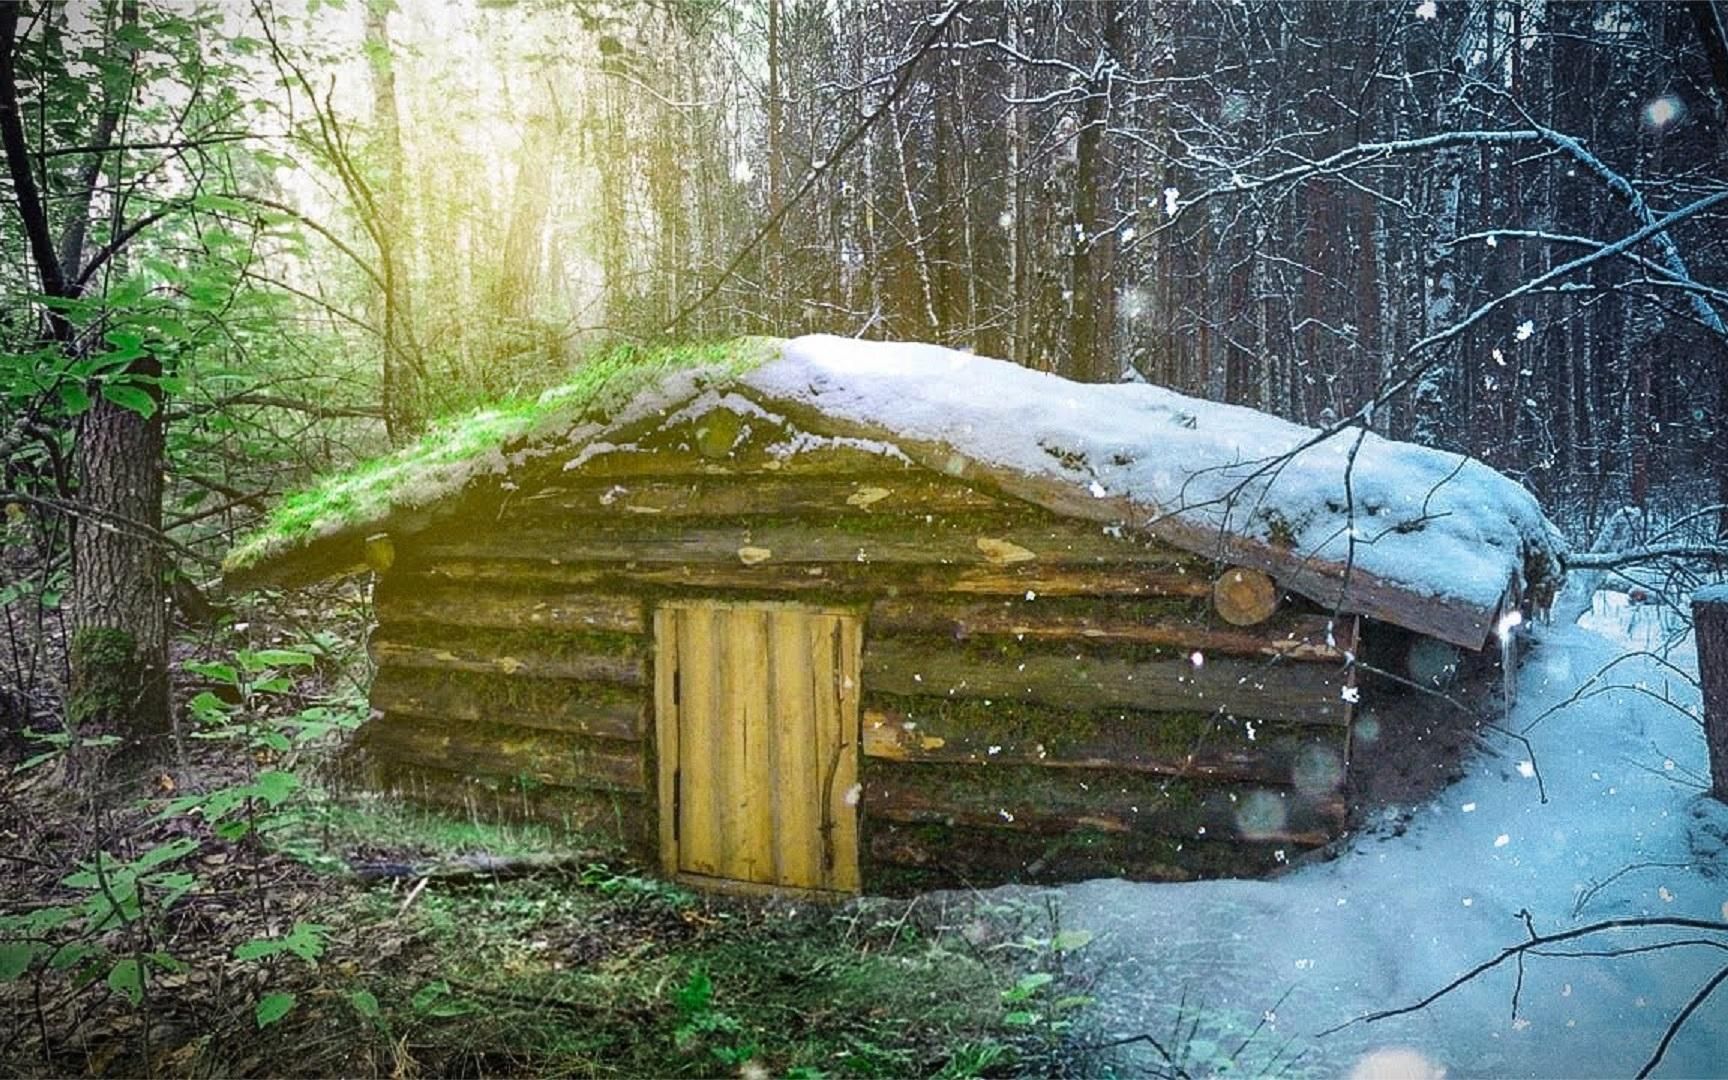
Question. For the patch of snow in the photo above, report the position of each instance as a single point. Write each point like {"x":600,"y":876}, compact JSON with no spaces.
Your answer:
{"x":1441,"y":525}
{"x":1445,"y":893}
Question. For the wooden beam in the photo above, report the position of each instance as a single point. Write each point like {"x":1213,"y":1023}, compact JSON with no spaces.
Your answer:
{"x":926,"y":729}
{"x":975,"y":543}
{"x":547,"y":704}
{"x":915,"y":858}
{"x":1297,"y":637}
{"x":1270,"y":690}
{"x":1030,"y":799}
{"x":508,"y":751}
{"x":526,"y":654}
{"x":906,"y":491}
{"x":984,"y":580}
{"x":407,"y":599}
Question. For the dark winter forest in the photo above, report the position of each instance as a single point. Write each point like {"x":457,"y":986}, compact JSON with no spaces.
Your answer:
{"x":429,"y":518}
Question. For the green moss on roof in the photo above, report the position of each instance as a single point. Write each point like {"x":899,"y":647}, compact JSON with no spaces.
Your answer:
{"x":458,"y":449}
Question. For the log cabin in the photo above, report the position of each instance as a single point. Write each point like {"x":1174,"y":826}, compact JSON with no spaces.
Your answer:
{"x":824,"y":616}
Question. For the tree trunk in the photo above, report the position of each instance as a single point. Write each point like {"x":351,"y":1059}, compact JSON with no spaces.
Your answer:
{"x":119,"y":614}
{"x":402,"y":410}
{"x":1710,"y":623}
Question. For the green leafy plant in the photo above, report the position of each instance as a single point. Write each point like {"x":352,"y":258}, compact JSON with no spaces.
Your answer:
{"x":701,"y":1025}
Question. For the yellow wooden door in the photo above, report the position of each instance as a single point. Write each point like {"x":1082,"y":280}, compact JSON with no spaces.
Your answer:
{"x":756,"y":709}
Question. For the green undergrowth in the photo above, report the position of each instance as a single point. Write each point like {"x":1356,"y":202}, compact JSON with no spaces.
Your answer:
{"x":446,"y":457}
{"x":604,"y":971}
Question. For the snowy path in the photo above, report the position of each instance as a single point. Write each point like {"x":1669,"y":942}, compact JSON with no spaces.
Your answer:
{"x":1395,"y":918}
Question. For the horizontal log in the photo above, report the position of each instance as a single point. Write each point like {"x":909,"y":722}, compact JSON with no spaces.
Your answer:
{"x":1296,"y":637}
{"x":1036,"y":800}
{"x":821,"y":458}
{"x":991,"y":543}
{"x":901,"y":858}
{"x":525,"y":755}
{"x":412,"y":599}
{"x":547,"y":704}
{"x":1270,"y":689}
{"x":724,"y":496}
{"x":531,"y":654}
{"x":1172,"y":744}
{"x":1012,"y":580}
{"x":579,"y":815}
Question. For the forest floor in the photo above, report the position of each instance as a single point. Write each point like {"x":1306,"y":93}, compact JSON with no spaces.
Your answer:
{"x":251,"y":918}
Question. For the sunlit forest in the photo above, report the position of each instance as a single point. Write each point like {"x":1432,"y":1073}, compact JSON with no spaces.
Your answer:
{"x":490,"y":586}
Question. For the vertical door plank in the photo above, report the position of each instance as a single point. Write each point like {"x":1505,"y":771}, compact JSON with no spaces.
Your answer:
{"x":825,"y":723}
{"x":843,"y":806}
{"x":796,"y":765}
{"x":749,"y":804}
{"x":666,"y":722}
{"x":698,"y":844}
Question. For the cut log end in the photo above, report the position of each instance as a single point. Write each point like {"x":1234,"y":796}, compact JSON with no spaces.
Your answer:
{"x":380,"y":552}
{"x":1244,"y":597}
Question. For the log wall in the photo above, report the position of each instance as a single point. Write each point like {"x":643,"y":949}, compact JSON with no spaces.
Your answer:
{"x":1042,"y":698}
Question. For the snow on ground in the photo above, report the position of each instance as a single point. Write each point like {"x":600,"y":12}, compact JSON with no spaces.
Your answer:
{"x":1398,"y":916}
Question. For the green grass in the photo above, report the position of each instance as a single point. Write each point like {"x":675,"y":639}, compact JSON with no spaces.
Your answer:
{"x":455,"y":450}
{"x":606,"y":972}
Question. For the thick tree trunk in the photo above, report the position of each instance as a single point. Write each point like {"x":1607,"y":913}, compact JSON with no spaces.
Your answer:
{"x":119,"y":615}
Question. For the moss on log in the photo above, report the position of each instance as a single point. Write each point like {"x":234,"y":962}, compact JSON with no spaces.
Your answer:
{"x":1194,"y":744}
{"x":1270,"y":690}
{"x":844,"y":577}
{"x":1033,"y":799}
{"x":525,"y":755}
{"x":910,"y":858}
{"x":585,"y":817}
{"x":550,"y":704}
{"x":413,"y":599}
{"x":769,"y":495}
{"x":1179,"y":625}
{"x":604,"y":658}
{"x":862,"y":538}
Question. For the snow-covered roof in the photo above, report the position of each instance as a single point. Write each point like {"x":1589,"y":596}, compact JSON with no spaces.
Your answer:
{"x":1430,"y":540}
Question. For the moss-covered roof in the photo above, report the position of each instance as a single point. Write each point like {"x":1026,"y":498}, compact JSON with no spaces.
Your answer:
{"x":456,"y":451}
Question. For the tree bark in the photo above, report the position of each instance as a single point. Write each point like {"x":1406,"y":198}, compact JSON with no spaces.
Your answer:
{"x":1710,"y":624}
{"x":119,"y":612}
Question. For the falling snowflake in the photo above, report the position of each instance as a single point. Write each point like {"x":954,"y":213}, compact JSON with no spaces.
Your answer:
{"x":1469,"y":808}
{"x":1526,"y":769}
{"x":1170,"y":204}
{"x":1427,"y":10}
{"x":1128,"y":235}
{"x":1493,"y":241}
{"x":1197,"y":658}
{"x":1096,"y":489}
{"x":743,"y":173}
{"x":1525,"y":329}
{"x":1662,"y":111}
{"x":1502,"y":840}
{"x":1352,"y":694}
